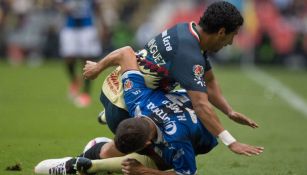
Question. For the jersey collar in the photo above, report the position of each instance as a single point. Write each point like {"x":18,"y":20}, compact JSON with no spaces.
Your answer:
{"x":159,"y":138}
{"x":192,"y":28}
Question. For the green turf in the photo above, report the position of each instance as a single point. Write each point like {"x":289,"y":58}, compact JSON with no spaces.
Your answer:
{"x":37,"y":121}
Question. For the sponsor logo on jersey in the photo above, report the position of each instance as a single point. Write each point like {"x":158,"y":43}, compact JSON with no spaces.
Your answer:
{"x":166,"y":42}
{"x":170,"y":128}
{"x":113,"y":82}
{"x":127,"y":85}
{"x":161,"y":118}
{"x":172,"y":106}
{"x":158,"y":112}
{"x":176,"y":104}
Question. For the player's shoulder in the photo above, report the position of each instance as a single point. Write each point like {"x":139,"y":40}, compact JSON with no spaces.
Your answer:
{"x":187,"y":32}
{"x":188,"y":40}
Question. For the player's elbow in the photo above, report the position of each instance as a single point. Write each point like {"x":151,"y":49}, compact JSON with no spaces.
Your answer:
{"x":200,"y":103}
{"x":127,"y":51}
{"x":120,"y":55}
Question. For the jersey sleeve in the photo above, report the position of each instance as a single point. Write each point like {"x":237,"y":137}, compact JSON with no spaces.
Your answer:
{"x":188,"y":67}
{"x":207,"y":63}
{"x":135,"y":90}
{"x":182,"y":158}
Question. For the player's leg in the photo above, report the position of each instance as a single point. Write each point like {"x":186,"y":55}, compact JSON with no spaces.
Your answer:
{"x":67,"y":165}
{"x":94,"y":150}
{"x":113,"y":114}
{"x":70,"y":165}
{"x":84,"y":98}
{"x":90,"y":48}
{"x":114,"y":164}
{"x":102,"y":117}
{"x":75,"y":82}
{"x":68,"y":51}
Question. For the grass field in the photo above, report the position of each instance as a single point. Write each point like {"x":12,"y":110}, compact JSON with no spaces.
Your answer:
{"x":37,"y":121}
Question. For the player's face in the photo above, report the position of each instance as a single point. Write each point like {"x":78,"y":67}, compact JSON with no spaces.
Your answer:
{"x":224,"y":39}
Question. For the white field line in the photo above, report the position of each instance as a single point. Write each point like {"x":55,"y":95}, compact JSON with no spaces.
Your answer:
{"x":276,"y":87}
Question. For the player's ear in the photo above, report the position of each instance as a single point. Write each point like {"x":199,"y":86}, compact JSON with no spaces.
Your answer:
{"x":221,"y":32}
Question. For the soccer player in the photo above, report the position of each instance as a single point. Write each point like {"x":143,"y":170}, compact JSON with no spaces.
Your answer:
{"x":166,"y":123}
{"x":79,"y":39}
{"x":178,"y":56}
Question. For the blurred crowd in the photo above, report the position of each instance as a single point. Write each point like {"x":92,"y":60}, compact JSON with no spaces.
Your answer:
{"x":275,"y":31}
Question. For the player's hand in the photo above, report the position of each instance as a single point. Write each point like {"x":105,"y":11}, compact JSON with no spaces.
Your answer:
{"x":245,"y":149}
{"x":132,"y":167}
{"x":90,"y":70}
{"x":242,"y":119}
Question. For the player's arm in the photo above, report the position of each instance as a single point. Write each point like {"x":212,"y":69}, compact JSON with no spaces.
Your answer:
{"x":209,"y":119}
{"x":205,"y":112}
{"x":216,"y":98}
{"x":132,"y":166}
{"x":124,"y":57}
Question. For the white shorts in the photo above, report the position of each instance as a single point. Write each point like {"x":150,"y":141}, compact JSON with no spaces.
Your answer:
{"x":80,"y":42}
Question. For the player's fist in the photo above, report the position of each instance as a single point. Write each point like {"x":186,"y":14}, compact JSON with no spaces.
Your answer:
{"x":90,"y":70}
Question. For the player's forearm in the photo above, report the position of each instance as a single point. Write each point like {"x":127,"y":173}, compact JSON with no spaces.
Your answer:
{"x":208,"y":118}
{"x":205,"y":112}
{"x":212,"y":123}
{"x":115,"y":58}
{"x":216,"y":98}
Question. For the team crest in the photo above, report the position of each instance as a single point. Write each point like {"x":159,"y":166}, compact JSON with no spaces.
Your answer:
{"x":127,"y":85}
{"x":198,"y":70}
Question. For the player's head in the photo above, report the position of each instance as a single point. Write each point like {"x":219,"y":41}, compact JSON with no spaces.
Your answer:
{"x":132,"y":135}
{"x":222,"y":20}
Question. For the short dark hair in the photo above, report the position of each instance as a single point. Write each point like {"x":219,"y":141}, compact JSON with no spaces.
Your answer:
{"x":221,"y":14}
{"x":132,"y":135}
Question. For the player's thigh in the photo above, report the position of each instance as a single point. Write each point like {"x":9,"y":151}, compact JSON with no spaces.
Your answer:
{"x":114,"y":114}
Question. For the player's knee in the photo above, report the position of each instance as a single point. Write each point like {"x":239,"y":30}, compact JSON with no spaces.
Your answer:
{"x":104,"y":152}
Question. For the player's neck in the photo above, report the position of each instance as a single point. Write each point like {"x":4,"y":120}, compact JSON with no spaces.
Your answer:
{"x":204,"y":38}
{"x":152,"y":128}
